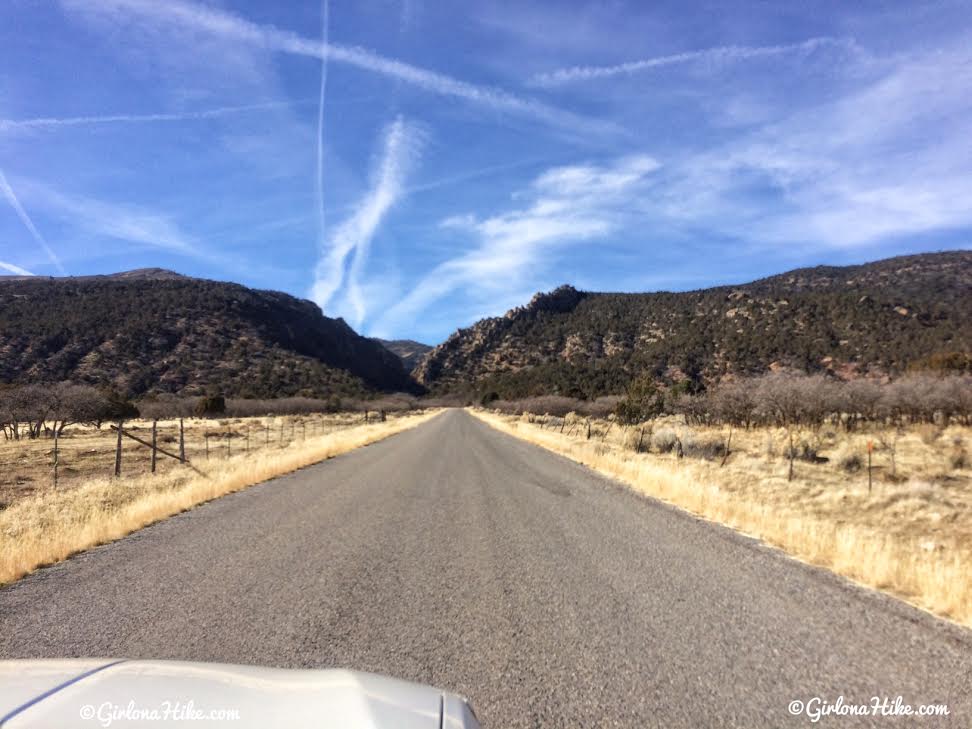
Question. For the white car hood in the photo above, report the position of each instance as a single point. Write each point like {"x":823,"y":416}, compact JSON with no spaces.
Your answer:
{"x":63,"y":694}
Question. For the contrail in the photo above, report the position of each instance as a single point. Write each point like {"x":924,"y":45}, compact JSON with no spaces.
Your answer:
{"x":15,"y":269}
{"x":28,"y":223}
{"x":400,"y":144}
{"x":473,"y":174}
{"x":271,"y":38}
{"x":74,"y":121}
{"x":722,"y":54}
{"x":325,"y":12}
{"x":400,"y":149}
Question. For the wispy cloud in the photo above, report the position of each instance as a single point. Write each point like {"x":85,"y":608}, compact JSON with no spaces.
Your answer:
{"x":124,"y":222}
{"x":410,"y":16}
{"x":401,"y":143}
{"x":715,"y":56}
{"x":566,"y":205}
{"x":303,"y":219}
{"x":15,"y":269}
{"x":75,"y":121}
{"x":319,"y":181}
{"x":848,"y":172}
{"x":268,"y":37}
{"x":28,"y":223}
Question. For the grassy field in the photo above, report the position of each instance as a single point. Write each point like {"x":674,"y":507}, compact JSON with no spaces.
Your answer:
{"x":40,"y":524}
{"x":85,"y":452}
{"x":909,"y":534}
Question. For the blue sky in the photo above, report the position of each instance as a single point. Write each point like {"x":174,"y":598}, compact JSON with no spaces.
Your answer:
{"x":467,"y":155}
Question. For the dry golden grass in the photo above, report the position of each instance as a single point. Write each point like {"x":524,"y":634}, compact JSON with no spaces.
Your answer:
{"x":48,"y":525}
{"x":911,"y":536}
{"x":87,"y":452}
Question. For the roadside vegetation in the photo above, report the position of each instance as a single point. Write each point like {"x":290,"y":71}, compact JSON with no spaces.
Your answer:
{"x":872,"y":480}
{"x":41,"y":523}
{"x":67,"y":430}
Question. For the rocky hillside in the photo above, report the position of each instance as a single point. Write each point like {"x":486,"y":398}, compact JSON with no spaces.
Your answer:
{"x":156,"y":331}
{"x":879,"y":317}
{"x":411,"y":353}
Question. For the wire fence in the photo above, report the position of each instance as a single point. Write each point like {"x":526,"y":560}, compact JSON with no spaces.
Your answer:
{"x":123,"y":448}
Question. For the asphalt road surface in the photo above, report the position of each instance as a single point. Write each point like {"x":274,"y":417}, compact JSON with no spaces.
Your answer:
{"x":458,"y":556}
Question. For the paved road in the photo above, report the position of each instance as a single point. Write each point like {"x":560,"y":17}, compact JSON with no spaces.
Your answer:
{"x":455,"y":555}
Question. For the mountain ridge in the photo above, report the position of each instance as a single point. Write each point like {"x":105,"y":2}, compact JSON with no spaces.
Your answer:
{"x":155,"y":331}
{"x":873,"y":318}
{"x":410,"y":352}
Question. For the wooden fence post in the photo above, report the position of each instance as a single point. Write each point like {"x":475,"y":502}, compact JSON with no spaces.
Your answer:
{"x":267,"y":443}
{"x":247,"y":437}
{"x":148,"y":445}
{"x":725,"y":456}
{"x":792,"y":453}
{"x":182,"y":442}
{"x":207,"y":446}
{"x":303,"y":430}
{"x":229,"y":444}
{"x":118,"y":448}
{"x":155,"y":424}
{"x":870,"y":447}
{"x":55,"y":456}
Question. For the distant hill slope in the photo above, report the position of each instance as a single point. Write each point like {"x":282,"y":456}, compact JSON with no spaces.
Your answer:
{"x":877,"y":317}
{"x":409,"y":352}
{"x":156,"y":331}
